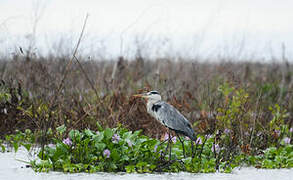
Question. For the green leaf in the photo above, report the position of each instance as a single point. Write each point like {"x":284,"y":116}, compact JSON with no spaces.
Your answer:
{"x":113,"y":166}
{"x":187,"y":160}
{"x":62,"y":148}
{"x":137,"y":133}
{"x":75,"y":135}
{"x":100,"y":146}
{"x":115,"y":155}
{"x":108,"y":133}
{"x":99,"y":137}
{"x":126,"y":135}
{"x":130,"y":168}
{"x":3,"y":148}
{"x":27,"y":146}
{"x":100,"y":128}
{"x":28,"y":131}
{"x":89,"y":133}
{"x":16,"y":146}
{"x":124,"y":158}
{"x":61,"y":129}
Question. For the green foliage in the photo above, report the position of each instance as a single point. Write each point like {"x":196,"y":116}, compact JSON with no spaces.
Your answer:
{"x":273,"y":157}
{"x":85,"y":151}
{"x":233,"y":108}
{"x":279,"y":116}
{"x":4,"y":96}
{"x":25,"y":139}
{"x":113,"y":150}
{"x":61,"y":130}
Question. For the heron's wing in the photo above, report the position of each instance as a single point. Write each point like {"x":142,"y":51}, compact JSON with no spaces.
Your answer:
{"x":173,"y":119}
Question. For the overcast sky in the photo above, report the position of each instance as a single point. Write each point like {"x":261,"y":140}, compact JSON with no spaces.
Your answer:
{"x":242,"y":28}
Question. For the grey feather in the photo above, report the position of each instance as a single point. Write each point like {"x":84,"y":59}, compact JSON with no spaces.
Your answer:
{"x":171,"y":118}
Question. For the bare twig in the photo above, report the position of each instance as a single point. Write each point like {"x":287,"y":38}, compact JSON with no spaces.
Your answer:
{"x":70,"y":62}
{"x":86,"y":76}
{"x":88,"y":79}
{"x":47,"y":125}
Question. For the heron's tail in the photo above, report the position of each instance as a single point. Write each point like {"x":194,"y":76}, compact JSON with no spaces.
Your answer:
{"x":191,"y":134}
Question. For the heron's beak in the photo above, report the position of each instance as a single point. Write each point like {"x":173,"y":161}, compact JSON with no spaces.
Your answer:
{"x":141,"y":95}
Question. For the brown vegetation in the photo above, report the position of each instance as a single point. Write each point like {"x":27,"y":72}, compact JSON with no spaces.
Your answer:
{"x":106,"y":96}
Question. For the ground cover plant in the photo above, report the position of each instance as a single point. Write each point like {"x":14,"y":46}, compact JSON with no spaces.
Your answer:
{"x":120,"y":150}
{"x":241,"y":111}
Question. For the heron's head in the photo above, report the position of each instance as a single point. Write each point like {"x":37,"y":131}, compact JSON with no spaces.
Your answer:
{"x":152,"y":96}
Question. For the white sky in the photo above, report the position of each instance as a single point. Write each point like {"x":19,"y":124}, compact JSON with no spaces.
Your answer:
{"x":164,"y":27}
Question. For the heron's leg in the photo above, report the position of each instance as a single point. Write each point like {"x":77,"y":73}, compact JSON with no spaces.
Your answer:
{"x":170,"y":146}
{"x":192,"y":149}
{"x":163,"y":142}
{"x":166,"y":150}
{"x":182,"y":145}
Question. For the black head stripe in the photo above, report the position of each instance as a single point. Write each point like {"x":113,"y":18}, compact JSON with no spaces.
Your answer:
{"x":154,"y":92}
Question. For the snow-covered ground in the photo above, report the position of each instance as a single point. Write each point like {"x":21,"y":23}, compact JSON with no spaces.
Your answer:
{"x":11,"y":168}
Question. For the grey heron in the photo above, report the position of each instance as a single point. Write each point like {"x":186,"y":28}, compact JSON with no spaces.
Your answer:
{"x":169,"y":116}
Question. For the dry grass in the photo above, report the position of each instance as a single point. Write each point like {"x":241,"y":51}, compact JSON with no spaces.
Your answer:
{"x":190,"y":86}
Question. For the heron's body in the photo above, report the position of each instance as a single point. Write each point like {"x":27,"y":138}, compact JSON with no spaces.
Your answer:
{"x":171,"y":118}
{"x":168,"y":115}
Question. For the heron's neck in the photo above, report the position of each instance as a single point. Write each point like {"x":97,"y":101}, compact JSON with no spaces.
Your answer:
{"x":151,"y":102}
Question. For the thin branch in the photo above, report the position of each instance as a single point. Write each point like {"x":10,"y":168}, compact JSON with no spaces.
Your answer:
{"x":88,"y":79}
{"x":70,"y":61}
